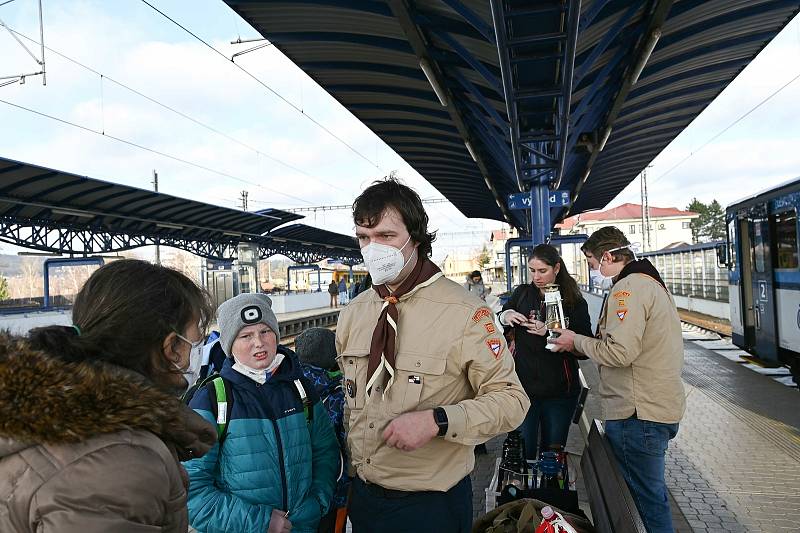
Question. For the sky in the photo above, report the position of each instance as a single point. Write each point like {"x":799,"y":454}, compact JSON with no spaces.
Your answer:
{"x":265,"y":141}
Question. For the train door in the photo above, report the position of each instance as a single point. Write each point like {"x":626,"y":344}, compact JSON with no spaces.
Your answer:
{"x":746,"y":284}
{"x":731,"y":258}
{"x":760,"y":305}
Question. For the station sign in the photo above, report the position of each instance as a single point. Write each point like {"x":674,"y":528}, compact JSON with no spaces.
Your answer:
{"x":522,"y":200}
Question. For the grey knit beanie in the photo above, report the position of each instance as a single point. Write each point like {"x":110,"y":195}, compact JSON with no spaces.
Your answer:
{"x":316,"y":346}
{"x":244,"y":310}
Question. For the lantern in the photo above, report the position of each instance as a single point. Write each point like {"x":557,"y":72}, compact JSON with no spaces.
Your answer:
{"x":553,"y":313}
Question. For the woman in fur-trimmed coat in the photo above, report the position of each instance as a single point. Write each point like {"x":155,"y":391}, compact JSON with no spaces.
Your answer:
{"x":91,"y":432}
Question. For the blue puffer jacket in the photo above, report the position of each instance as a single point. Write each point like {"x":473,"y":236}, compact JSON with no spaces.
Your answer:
{"x":271,"y":457}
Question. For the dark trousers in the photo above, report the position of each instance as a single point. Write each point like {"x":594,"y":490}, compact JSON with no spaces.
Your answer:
{"x":547,"y":423}
{"x":375,"y":510}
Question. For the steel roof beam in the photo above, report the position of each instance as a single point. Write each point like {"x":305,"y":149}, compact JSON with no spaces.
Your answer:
{"x":499,"y":21}
{"x":400,"y":9}
{"x":539,"y":39}
{"x":604,"y":43}
{"x":472,"y":18}
{"x":484,"y":103}
{"x":659,"y":12}
{"x":524,"y":12}
{"x":588,"y":17}
{"x":543,"y":92}
{"x":470,"y":59}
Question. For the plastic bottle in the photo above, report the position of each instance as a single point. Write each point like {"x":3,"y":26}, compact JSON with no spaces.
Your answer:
{"x":553,"y":522}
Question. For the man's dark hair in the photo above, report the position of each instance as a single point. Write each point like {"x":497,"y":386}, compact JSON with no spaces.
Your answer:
{"x":368,"y":209}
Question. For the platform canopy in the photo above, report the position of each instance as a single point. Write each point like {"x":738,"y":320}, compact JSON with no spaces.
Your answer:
{"x":485,"y":99}
{"x":54,"y":211}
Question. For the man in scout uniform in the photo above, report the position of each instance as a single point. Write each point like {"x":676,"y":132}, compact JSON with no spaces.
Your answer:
{"x":427,"y":376}
{"x":640,"y":351}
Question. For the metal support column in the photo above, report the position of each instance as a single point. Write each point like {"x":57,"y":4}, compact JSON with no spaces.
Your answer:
{"x":508,"y":265}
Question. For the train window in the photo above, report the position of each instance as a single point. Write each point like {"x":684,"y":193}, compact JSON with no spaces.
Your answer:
{"x":758,"y":248}
{"x":786,"y":239}
{"x":632,"y":229}
{"x":732,"y":244}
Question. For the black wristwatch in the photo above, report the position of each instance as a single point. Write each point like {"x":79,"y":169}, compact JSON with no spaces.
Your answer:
{"x":440,"y":417}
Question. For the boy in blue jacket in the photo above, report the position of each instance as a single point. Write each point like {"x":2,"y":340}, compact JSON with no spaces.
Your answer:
{"x":277,"y":459}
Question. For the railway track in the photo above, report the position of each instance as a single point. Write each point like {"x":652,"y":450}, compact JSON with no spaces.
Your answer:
{"x":709,"y":335}
{"x":706,"y":323}
{"x":288,"y":341}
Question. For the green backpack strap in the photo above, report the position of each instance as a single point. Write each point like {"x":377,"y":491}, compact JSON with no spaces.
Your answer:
{"x":221,"y":396}
{"x":308,"y":407}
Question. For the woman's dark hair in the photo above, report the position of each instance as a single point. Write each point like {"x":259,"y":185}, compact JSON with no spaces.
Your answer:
{"x":123,"y":313}
{"x":569,"y":287}
{"x":605,"y":239}
{"x":368,"y":209}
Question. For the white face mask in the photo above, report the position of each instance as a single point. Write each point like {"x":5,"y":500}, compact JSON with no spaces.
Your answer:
{"x":600,"y":281}
{"x":384,"y":262}
{"x":255,"y":374}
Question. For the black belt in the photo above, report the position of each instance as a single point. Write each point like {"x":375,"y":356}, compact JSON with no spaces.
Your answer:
{"x":382,"y":492}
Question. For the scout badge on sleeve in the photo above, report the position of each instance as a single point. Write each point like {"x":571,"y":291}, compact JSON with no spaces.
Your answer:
{"x":483,"y":312}
{"x":495,"y":346}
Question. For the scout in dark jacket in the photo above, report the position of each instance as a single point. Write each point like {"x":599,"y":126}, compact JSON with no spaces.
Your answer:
{"x":550,"y":379}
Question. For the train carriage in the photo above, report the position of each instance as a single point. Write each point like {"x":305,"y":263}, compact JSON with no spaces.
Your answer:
{"x":764,"y":274}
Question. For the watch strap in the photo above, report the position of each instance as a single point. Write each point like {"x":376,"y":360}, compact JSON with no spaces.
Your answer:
{"x":440,"y":417}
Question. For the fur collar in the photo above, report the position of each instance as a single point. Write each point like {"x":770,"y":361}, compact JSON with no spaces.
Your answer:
{"x":46,"y":401}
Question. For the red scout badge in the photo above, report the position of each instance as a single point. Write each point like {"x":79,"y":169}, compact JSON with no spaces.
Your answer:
{"x":489,"y":328}
{"x":621,"y":314}
{"x":483,"y":312}
{"x":495,"y":346}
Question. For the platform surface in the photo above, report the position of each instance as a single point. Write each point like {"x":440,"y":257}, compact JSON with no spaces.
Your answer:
{"x":735,"y":463}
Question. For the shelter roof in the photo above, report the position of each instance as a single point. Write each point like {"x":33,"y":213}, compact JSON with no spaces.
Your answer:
{"x":38,"y":193}
{"x":505,"y":70}
{"x":93,"y":216}
{"x":316,"y":237}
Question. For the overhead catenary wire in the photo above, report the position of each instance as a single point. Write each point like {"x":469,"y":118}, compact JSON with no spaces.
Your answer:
{"x":729,"y":126}
{"x":263,"y":84}
{"x":104,"y":77}
{"x":151,"y":150}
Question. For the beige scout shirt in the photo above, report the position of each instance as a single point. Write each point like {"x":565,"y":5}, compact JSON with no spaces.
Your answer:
{"x":449,"y":354}
{"x":640,"y":352}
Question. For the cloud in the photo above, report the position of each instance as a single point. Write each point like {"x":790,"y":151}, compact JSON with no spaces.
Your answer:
{"x":757,"y":152}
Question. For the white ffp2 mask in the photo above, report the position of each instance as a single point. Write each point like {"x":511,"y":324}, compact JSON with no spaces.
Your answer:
{"x":384,"y":262}
{"x":600,"y":281}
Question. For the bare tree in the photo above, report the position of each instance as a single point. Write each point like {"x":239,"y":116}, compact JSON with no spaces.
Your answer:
{"x":184,"y":262}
